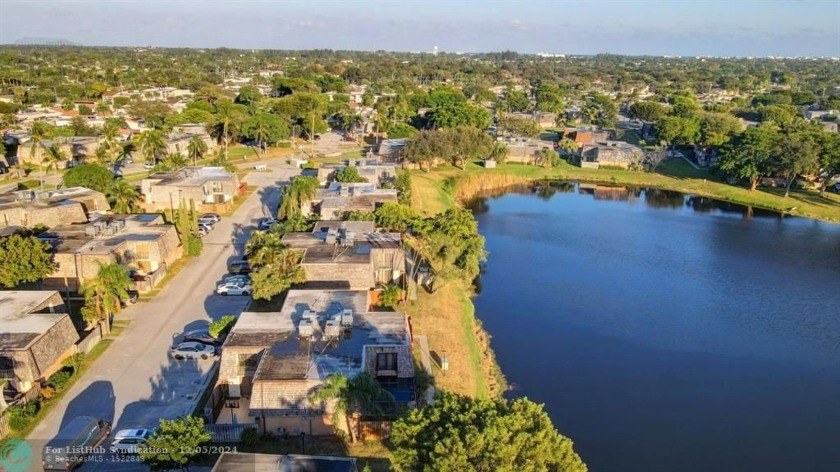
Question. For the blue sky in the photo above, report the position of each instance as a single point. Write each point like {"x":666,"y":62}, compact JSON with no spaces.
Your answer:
{"x":663,"y":27}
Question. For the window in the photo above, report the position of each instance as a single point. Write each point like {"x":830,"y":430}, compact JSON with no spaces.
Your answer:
{"x":386,"y":363}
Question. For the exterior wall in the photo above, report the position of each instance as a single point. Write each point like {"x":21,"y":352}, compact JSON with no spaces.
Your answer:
{"x":385,"y":263}
{"x":588,"y":165}
{"x":319,"y":425}
{"x":161,"y":197}
{"x":405,"y":362}
{"x":76,"y":268}
{"x":54,"y":347}
{"x":360,"y":276}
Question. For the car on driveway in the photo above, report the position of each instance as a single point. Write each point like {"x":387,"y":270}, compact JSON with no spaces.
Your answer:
{"x":127,"y":441}
{"x":211,"y":216}
{"x":193,"y":350}
{"x":206,"y":220}
{"x":200,"y":336}
{"x":204,"y":227}
{"x":266,"y":223}
{"x":235,"y":279}
{"x":233,"y":289}
{"x":148,"y":165}
{"x":239,"y":267}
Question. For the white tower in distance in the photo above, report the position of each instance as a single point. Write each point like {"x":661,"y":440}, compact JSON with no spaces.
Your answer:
{"x":435,"y":50}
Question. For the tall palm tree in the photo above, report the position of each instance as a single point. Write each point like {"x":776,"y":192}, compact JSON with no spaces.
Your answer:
{"x":153,"y":145}
{"x":38,"y":134}
{"x":126,"y":150}
{"x":196,"y":148}
{"x":301,"y":190}
{"x":53,"y":155}
{"x":111,"y":133}
{"x":107,"y":289}
{"x":228,"y":119}
{"x":360,"y":396}
{"x":125,"y":196}
{"x":176,"y":161}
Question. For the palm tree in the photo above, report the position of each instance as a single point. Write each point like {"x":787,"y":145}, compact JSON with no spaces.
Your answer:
{"x":153,"y":145}
{"x":228,"y":119}
{"x":107,"y":289}
{"x":176,"y":161}
{"x":125,"y":151}
{"x":196,"y":148}
{"x":38,"y":134}
{"x":110,"y":132}
{"x":221,"y":161}
{"x":52,"y":156}
{"x":354,"y":398}
{"x":301,"y":190}
{"x":125,"y":196}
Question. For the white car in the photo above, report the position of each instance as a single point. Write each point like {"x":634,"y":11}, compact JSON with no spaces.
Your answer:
{"x":235,"y":279}
{"x":148,"y":165}
{"x":127,"y":441}
{"x":234,"y":289}
{"x":193,"y":350}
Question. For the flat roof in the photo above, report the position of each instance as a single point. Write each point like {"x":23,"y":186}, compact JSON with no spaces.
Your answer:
{"x":293,"y":357}
{"x":18,"y":326}
{"x":190,"y":176}
{"x":241,"y":462}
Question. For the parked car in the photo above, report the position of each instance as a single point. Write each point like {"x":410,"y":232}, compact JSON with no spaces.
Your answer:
{"x":193,"y":350}
{"x":127,"y":441}
{"x":74,"y":442}
{"x":133,"y":296}
{"x":266,"y":223}
{"x":234,"y":289}
{"x":204,"y":227}
{"x":148,"y":165}
{"x":239,"y":267}
{"x":205,"y":220}
{"x":235,"y":279}
{"x":214,"y":216}
{"x":200,"y":336}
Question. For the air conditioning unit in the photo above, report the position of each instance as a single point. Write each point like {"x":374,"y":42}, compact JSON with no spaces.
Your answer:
{"x":306,"y":329}
{"x":347,"y":317}
{"x":333,"y":328}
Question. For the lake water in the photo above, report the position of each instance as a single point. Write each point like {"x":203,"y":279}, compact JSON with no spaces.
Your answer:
{"x":665,"y":332}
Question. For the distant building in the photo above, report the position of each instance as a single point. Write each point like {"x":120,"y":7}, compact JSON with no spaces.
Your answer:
{"x":543,"y":118}
{"x":210,"y":188}
{"x":36,"y":336}
{"x":339,"y":198}
{"x":610,"y":153}
{"x":392,"y":150}
{"x":273,"y":362}
{"x":30,"y":208}
{"x":142,"y":242}
{"x":372,"y":170}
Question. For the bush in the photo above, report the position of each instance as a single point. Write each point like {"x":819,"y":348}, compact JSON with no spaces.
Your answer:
{"x":47,"y":393}
{"x":194,"y":246}
{"x":28,"y":184}
{"x":222,"y":326}
{"x":20,"y":415}
{"x":250,"y":437}
{"x":391,"y":296}
{"x":404,"y":188}
{"x":59,"y":379}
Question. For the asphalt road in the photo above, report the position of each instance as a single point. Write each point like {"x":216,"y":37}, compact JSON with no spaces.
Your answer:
{"x":136,"y":381}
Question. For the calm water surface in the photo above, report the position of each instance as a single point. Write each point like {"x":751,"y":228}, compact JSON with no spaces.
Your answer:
{"x":665,"y":332}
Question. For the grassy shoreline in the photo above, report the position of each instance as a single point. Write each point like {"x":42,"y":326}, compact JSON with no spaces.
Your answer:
{"x":448,"y":317}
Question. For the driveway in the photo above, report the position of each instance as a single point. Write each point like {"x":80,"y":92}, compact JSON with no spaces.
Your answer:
{"x":136,"y":382}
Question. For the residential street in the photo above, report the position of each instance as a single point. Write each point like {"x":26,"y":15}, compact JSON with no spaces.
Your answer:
{"x":136,"y":382}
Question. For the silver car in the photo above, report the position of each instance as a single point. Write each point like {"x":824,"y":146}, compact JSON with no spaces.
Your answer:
{"x":193,"y":350}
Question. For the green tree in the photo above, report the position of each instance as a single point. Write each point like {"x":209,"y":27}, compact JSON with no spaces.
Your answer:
{"x":353,"y":398}
{"x":266,"y":129}
{"x":569,"y":146}
{"x":678,"y":130}
{"x":174,"y":444}
{"x":403,"y":185}
{"x":395,"y":217}
{"x":349,"y":174}
{"x":829,"y":144}
{"x":549,"y":157}
{"x":222,"y":326}
{"x":466,"y":143}
{"x":717,"y":129}
{"x":647,"y":111}
{"x":459,"y":114}
{"x":249,"y":96}
{"x":277,"y":266}
{"x":499,"y":153}
{"x":300,"y":191}
{"x":549,"y":98}
{"x":124,"y":196}
{"x":400,"y":130}
{"x":37,"y":134}
{"x":228,"y":119}
{"x":196,"y":149}
{"x":684,"y":106}
{"x":153,"y":145}
{"x":511,"y":126}
{"x":750,"y":155}
{"x":105,"y":292}
{"x":796,"y":155}
{"x":479,"y":434}
{"x":450,"y":242}
{"x":24,"y":259}
{"x":391,"y":296}
{"x":93,"y":176}
{"x":53,"y":157}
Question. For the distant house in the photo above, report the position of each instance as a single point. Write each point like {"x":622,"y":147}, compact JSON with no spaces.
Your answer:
{"x":142,"y":242}
{"x":29,"y":208}
{"x":349,"y":254}
{"x":543,"y":118}
{"x":179,"y":142}
{"x":36,"y":336}
{"x":583,"y":136}
{"x":242,"y":461}
{"x":273,"y":362}
{"x":23,"y":150}
{"x":610,"y":153}
{"x":209,"y":188}
{"x":372,"y":170}
{"x":391,"y":150}
{"x":339,"y":198}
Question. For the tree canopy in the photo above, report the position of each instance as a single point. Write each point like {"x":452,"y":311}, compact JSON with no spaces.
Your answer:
{"x":93,"y":176}
{"x":482,"y":435}
{"x":24,"y":259}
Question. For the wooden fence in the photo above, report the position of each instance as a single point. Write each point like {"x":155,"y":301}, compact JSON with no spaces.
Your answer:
{"x":5,"y":429}
{"x":33,"y":394}
{"x":85,"y":345}
{"x":223,"y":433}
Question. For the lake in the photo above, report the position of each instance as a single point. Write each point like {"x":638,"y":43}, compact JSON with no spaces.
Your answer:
{"x":665,"y":332}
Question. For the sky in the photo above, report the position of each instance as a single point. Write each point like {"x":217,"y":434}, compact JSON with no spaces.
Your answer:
{"x":635,"y":27}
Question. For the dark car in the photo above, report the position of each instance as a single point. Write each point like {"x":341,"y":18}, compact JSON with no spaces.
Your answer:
{"x":202,"y":337}
{"x":74,"y":442}
{"x":133,"y":296}
{"x":239,"y":267}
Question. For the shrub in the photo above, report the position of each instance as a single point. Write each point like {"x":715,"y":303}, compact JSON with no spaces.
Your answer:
{"x":250,"y":437}
{"x":28,"y":184}
{"x":404,"y":188}
{"x":20,"y":415}
{"x":59,"y":379}
{"x":194,"y":246}
{"x":390,"y":297}
{"x":221,"y":327}
{"x":47,"y":393}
